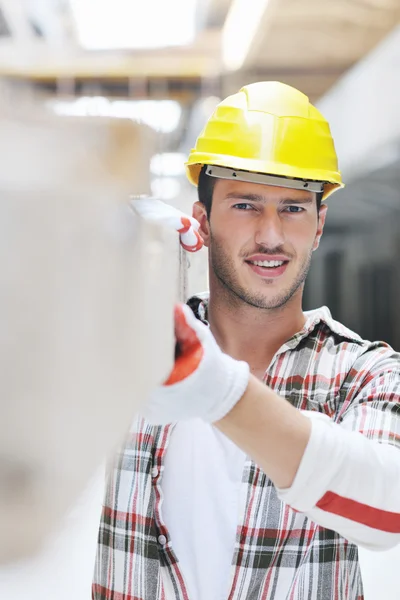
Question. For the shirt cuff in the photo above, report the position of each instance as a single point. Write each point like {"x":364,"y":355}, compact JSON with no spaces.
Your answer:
{"x":319,"y":464}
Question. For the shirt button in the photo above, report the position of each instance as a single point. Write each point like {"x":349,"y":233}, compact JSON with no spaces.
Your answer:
{"x":162,"y":540}
{"x":154,"y":472}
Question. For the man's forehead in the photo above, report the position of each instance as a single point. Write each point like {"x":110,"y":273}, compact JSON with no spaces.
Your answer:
{"x":227,"y":188}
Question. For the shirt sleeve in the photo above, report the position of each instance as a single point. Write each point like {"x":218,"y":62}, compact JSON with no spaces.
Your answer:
{"x":349,"y":477}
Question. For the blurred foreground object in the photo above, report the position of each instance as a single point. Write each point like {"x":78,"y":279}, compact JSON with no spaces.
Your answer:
{"x":85,"y":295}
{"x":154,"y":210}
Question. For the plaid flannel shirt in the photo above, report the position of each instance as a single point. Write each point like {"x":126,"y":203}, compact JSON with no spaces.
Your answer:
{"x":279,"y":553}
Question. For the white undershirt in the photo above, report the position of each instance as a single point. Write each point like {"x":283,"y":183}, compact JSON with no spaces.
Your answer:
{"x":201,"y":483}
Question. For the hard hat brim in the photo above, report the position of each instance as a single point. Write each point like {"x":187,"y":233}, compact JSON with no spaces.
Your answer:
{"x":332,"y":181}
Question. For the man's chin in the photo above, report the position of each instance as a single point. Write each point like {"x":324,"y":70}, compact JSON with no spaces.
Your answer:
{"x":263,"y":301}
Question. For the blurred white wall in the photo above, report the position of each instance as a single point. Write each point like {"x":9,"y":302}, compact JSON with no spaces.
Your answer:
{"x":63,"y":569}
{"x":380,"y":571}
{"x":363,"y":110}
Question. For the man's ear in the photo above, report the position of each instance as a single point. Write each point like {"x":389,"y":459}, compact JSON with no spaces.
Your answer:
{"x":321,"y":222}
{"x":199,"y":213}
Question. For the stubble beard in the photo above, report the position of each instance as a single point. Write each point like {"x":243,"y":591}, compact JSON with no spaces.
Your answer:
{"x":224,"y":270}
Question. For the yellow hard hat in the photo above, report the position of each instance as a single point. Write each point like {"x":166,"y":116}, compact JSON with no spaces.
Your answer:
{"x":268,"y":128}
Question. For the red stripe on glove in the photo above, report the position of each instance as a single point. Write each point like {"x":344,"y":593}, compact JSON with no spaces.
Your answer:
{"x":375,"y":518}
{"x":186,"y":225}
{"x":190,"y":349}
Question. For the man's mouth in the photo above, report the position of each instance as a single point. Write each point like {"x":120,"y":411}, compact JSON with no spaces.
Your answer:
{"x":267,"y":263}
{"x":268,"y":268}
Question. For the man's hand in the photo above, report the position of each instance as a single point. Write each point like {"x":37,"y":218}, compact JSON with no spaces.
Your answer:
{"x":157,"y":211}
{"x":204,"y":382}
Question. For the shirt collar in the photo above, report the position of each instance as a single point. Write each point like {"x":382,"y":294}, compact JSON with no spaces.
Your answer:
{"x":322,"y":316}
{"x":314,"y":318}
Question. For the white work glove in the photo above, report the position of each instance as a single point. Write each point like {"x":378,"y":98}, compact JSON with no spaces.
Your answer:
{"x":157,"y":211}
{"x":204,"y":382}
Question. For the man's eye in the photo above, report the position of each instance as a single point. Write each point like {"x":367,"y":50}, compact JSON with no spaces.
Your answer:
{"x":294,"y":209}
{"x":243,"y":206}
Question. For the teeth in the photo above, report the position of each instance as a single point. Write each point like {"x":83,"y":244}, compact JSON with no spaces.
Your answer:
{"x":267,"y":263}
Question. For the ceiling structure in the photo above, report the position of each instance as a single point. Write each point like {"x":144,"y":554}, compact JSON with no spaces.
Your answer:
{"x":307,"y":43}
{"x":311,"y":43}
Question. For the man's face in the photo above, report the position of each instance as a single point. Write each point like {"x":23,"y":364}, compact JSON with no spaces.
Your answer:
{"x":261,"y":239}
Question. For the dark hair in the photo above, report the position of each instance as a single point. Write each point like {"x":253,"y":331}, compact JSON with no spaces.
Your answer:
{"x":205,"y":191}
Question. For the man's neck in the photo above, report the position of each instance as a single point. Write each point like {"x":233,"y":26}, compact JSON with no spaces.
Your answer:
{"x":252,"y":334}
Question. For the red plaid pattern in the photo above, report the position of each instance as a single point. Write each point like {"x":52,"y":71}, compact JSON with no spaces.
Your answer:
{"x":279,"y":554}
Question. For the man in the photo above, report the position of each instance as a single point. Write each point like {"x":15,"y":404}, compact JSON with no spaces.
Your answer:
{"x":280,"y":449}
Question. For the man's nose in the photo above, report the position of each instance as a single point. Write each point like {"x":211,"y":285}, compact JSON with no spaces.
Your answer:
{"x":270,"y":229}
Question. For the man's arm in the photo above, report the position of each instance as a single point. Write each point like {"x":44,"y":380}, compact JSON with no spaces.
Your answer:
{"x":333,"y":473}
{"x":330,"y":471}
{"x":270,"y":430}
